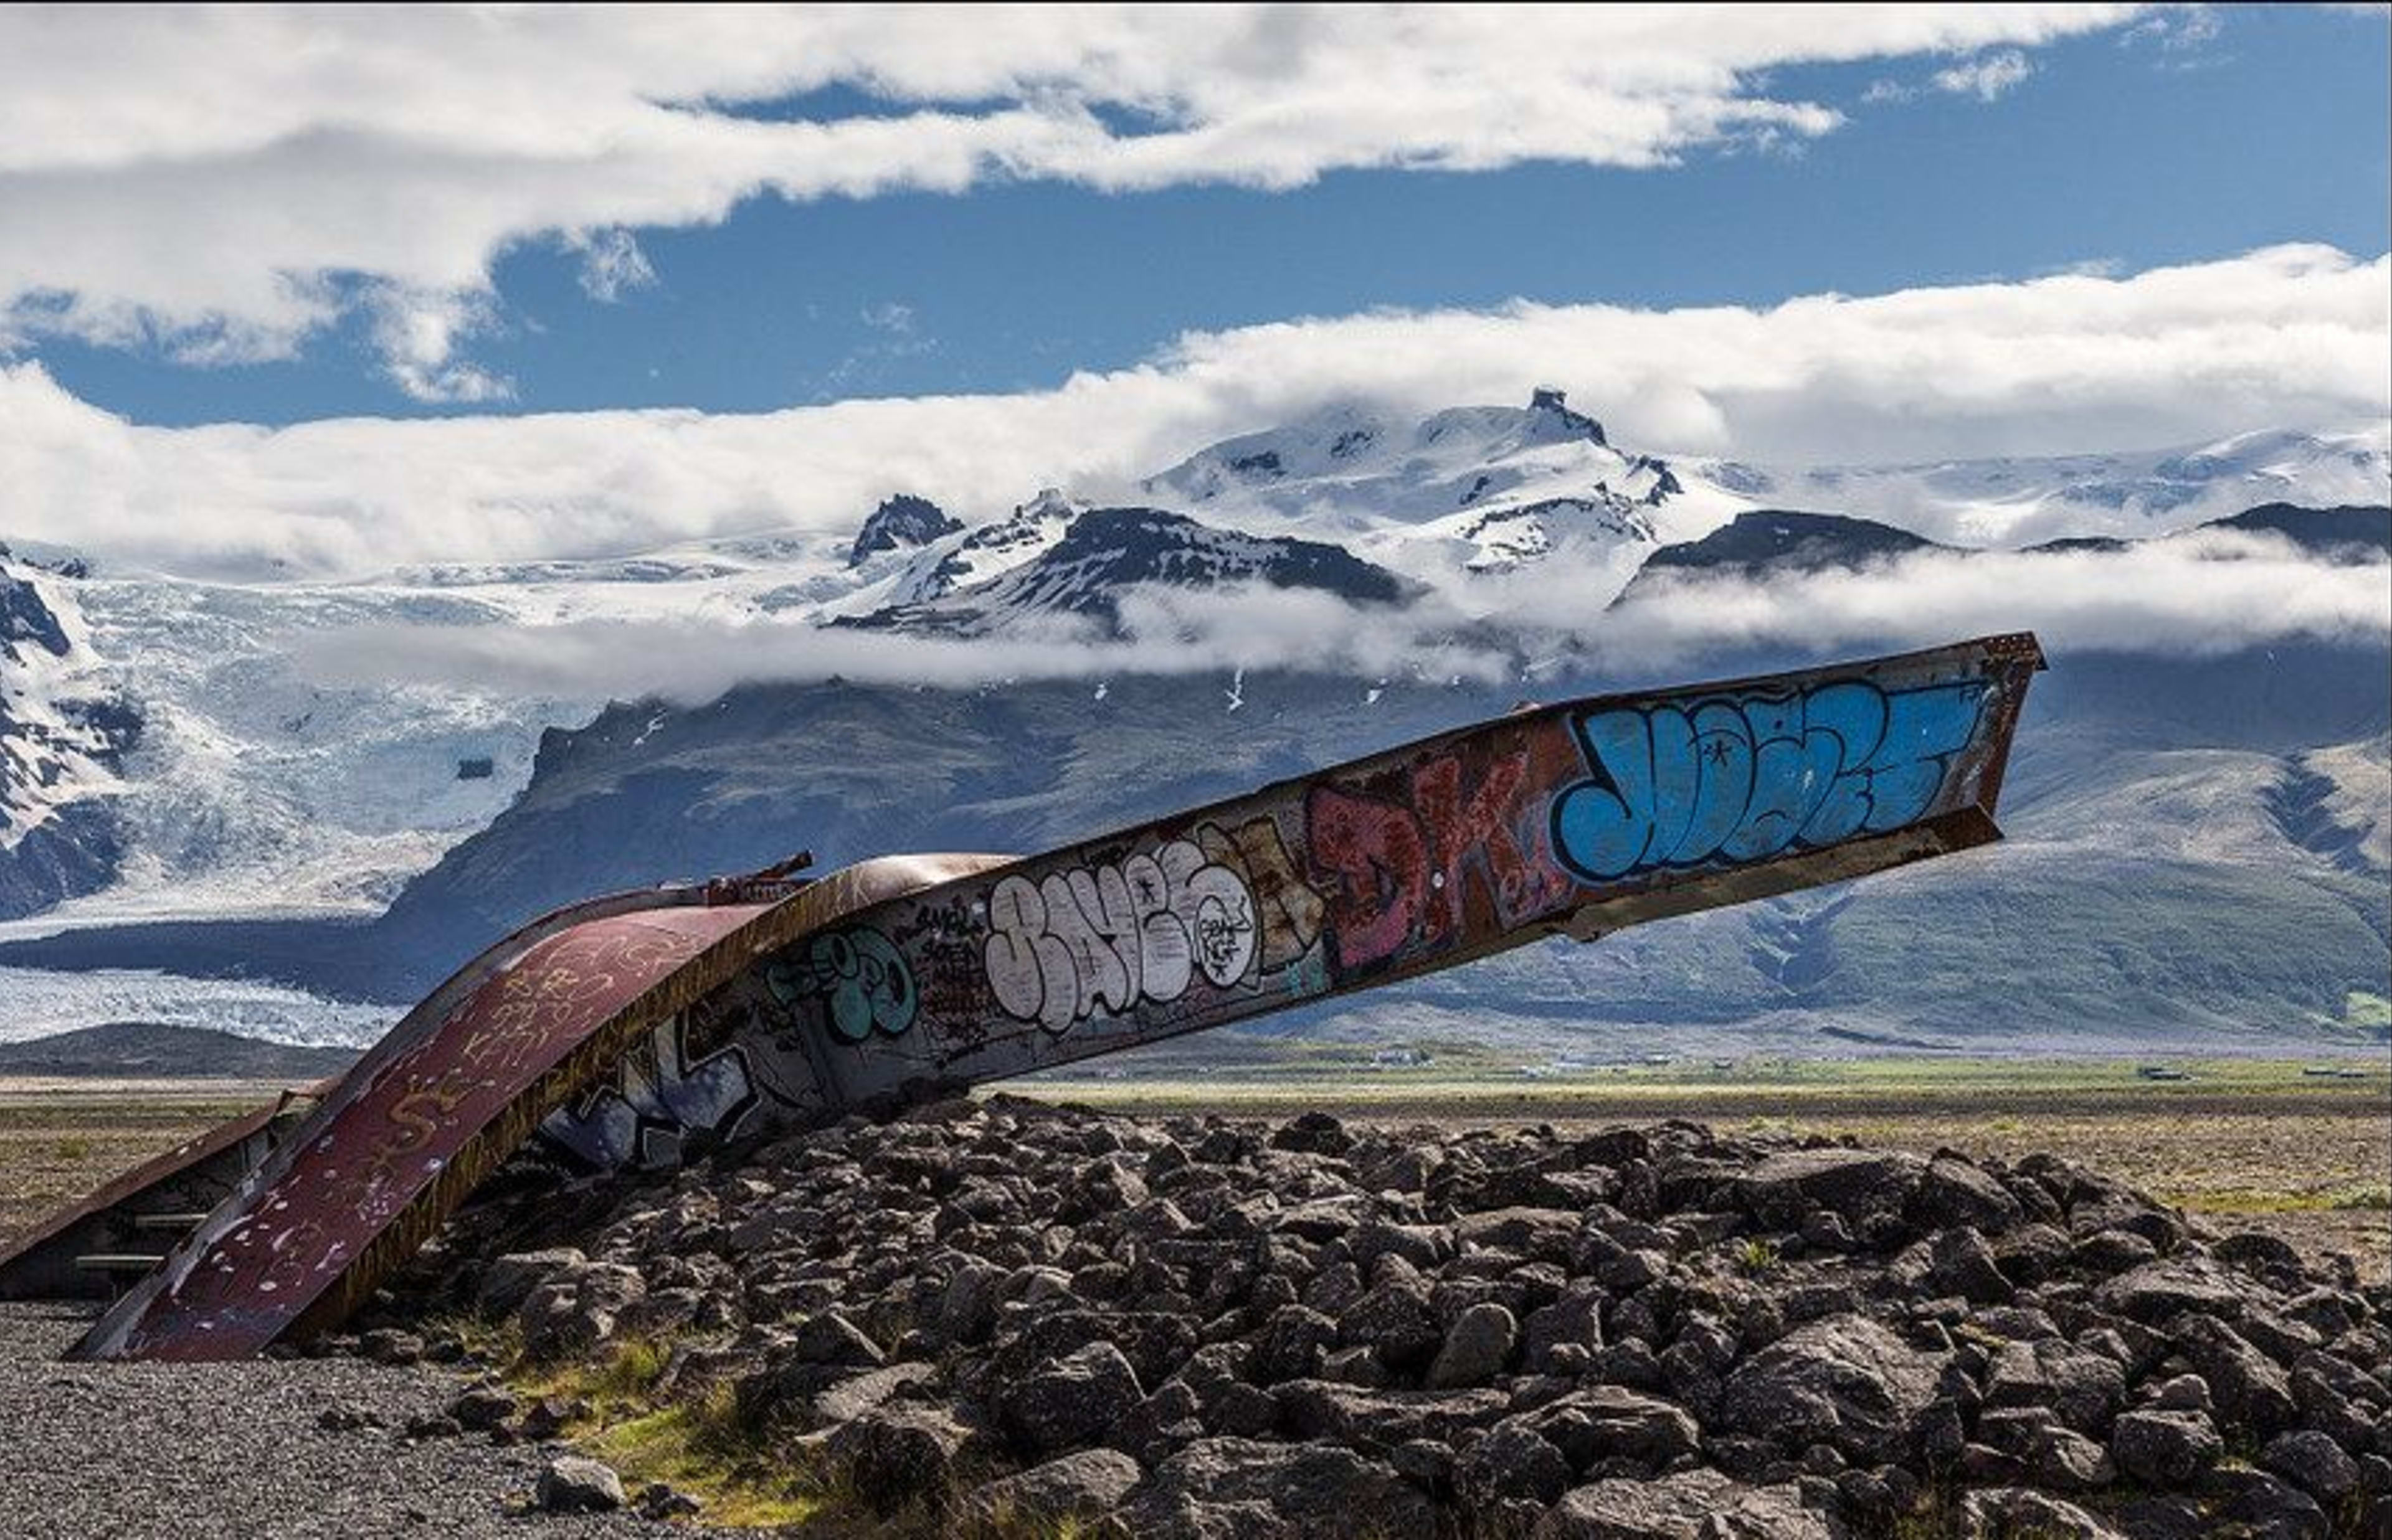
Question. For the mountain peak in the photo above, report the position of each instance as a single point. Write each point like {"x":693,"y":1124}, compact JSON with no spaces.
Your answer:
{"x":902,"y":520}
{"x":1553,"y":403}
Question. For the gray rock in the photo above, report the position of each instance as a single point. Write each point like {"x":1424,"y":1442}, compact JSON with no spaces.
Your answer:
{"x":969,"y":1306}
{"x":2158,"y":1291}
{"x":2068,"y":1461}
{"x":1953,"y":1192}
{"x":1692,"y":1505}
{"x":507,"y":1279}
{"x":2017,"y":1513}
{"x":481,"y":1408}
{"x":1218,"y":1489}
{"x":2248,"y":1386}
{"x":571,"y":1484}
{"x":894,"y":1458}
{"x":1072,"y":1401}
{"x":2117,"y":1251}
{"x":577,"y":1308}
{"x":1845,"y":1381}
{"x":1348,"y":1413}
{"x":846,"y":1398}
{"x":1857,"y":1185}
{"x":830,"y":1337}
{"x":1292,"y":1345}
{"x":1477,"y":1349}
{"x":1395,"y":1318}
{"x":2252,"y":1503}
{"x":2313,"y":1462}
{"x":2165,"y":1448}
{"x":2081,"y":1387}
{"x":1962,"y":1264}
{"x":1611,"y":1423}
{"x":1512,"y":1461}
{"x":1575,"y":1320}
{"x":1079,"y":1490}
{"x":1546,"y":1234}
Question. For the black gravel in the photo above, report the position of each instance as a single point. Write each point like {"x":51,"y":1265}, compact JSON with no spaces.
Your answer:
{"x":237,"y":1449}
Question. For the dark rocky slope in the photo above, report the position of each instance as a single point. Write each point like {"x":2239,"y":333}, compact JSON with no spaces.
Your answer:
{"x":999,"y":1314}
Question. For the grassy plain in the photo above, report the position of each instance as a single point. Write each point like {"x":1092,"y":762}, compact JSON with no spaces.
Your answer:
{"x":2257,"y":1143}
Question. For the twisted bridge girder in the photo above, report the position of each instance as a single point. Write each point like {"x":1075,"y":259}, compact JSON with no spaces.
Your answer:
{"x":636,"y":1029}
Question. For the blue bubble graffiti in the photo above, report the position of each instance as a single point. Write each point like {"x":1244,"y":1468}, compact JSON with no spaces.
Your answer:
{"x":862,"y":976}
{"x":1743,"y":778}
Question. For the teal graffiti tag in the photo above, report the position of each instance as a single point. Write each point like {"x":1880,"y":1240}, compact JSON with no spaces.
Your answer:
{"x":861,"y":977}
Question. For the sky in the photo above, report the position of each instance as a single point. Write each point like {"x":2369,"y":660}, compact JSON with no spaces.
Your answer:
{"x":329,"y":286}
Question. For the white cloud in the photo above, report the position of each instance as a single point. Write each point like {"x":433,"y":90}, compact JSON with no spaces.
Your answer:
{"x":416,"y":331}
{"x":1987,"y":79}
{"x":2290,"y":336}
{"x":2197,"y":595}
{"x":612,"y":264}
{"x":201,"y":176}
{"x":2200,"y":594}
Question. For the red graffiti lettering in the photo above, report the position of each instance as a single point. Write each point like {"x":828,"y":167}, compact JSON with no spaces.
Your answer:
{"x":1477,"y":834}
{"x":1374,"y":854}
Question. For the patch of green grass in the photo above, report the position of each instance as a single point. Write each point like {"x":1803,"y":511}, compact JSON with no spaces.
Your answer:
{"x":700,"y":1448}
{"x":493,"y":1339}
{"x":73,"y":1148}
{"x":1757,"y":1256}
{"x":699,"y":1444}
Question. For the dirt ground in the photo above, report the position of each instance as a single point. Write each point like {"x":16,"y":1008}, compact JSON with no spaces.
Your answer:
{"x":2313,"y":1165}
{"x":60,"y":1139}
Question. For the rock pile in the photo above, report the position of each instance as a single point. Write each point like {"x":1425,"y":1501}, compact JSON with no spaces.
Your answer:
{"x":1007,"y":1315}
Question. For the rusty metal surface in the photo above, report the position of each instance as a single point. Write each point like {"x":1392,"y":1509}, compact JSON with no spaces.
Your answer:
{"x":629,"y":1038}
{"x":1419,"y":858}
{"x":1574,"y":818}
{"x":453,"y":1089}
{"x":200,"y":1170}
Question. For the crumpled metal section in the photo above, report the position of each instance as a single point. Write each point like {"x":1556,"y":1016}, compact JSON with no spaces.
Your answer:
{"x":635,"y":1030}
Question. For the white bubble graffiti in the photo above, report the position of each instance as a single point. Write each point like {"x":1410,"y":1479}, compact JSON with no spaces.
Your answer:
{"x":1074,"y":943}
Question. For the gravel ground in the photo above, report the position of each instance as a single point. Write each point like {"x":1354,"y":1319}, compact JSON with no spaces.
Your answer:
{"x":235,"y":1449}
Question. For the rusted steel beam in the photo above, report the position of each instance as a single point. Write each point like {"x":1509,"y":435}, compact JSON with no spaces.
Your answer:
{"x":628,"y":1037}
{"x":195,"y":1175}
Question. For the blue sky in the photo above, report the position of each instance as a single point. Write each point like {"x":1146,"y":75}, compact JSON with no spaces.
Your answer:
{"x":2177,"y":138}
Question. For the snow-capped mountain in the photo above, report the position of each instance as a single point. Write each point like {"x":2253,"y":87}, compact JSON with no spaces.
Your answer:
{"x":1465,"y":491}
{"x":902,"y":521}
{"x":201,"y":765}
{"x":1103,"y":554}
{"x":64,"y":733}
{"x":2026,"y":501}
{"x":233,"y":783}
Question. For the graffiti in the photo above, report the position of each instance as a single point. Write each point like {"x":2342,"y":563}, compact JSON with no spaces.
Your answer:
{"x":1745,"y":778}
{"x":909,"y":978}
{"x":1402,"y":867}
{"x":862,"y":980}
{"x":688,"y":1078}
{"x":1290,"y":913}
{"x":1098,"y":939}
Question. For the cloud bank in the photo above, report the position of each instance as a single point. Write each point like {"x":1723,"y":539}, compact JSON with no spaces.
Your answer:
{"x":224,"y":181}
{"x":2200,"y":594}
{"x":2288,"y":336}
